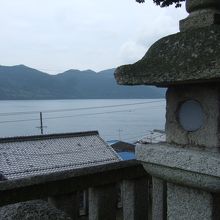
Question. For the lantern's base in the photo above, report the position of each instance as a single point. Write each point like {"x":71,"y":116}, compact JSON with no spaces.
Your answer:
{"x":192,"y":179}
{"x":184,"y":166}
{"x":189,"y":203}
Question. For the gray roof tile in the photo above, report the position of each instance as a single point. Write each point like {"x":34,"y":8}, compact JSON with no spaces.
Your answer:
{"x":34,"y":155}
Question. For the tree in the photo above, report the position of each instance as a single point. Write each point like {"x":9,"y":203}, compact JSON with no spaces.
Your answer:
{"x":165,"y":3}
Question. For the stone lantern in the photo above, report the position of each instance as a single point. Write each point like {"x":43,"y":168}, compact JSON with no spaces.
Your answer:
{"x":186,"y":168}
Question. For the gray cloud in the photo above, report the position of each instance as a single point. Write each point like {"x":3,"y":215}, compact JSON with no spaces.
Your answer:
{"x":58,"y":35}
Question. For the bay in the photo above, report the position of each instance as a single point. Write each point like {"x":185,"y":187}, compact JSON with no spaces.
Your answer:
{"x":115,"y":119}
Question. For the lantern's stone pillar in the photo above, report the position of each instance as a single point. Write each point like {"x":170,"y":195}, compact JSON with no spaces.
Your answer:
{"x":159,"y":205}
{"x":188,"y":63}
{"x":188,"y":203}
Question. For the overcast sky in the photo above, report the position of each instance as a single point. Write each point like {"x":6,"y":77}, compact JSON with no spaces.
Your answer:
{"x":56,"y":35}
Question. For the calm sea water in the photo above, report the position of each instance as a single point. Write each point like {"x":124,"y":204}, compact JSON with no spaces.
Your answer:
{"x":126,"y":119}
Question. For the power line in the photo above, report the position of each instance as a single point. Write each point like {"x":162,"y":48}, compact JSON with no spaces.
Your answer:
{"x":77,"y":109}
{"x":20,"y":120}
{"x":97,"y":113}
{"x":66,"y":116}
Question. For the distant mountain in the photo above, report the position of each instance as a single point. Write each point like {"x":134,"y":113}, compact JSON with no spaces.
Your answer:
{"x":22,"y":82}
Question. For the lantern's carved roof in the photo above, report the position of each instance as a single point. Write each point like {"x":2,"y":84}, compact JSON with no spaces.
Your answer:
{"x":187,"y":57}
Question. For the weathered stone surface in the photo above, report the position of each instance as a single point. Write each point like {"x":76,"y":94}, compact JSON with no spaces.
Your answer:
{"x":200,"y":19}
{"x":191,"y":204}
{"x":202,"y":13}
{"x":194,"y":168}
{"x":194,"y":5}
{"x":186,"y":57}
{"x":32,"y":210}
{"x":159,"y":197}
{"x":208,"y":135}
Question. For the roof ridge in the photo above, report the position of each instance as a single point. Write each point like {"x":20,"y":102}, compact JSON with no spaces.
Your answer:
{"x":47,"y":136}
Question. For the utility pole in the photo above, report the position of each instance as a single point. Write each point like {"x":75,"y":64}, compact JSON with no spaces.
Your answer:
{"x":119,"y":134}
{"x":41,"y":124}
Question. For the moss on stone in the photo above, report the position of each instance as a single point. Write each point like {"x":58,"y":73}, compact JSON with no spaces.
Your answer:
{"x":186,"y":57}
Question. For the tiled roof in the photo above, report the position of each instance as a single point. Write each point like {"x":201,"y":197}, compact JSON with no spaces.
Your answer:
{"x":127,"y":155}
{"x":34,"y":155}
{"x":122,"y":146}
{"x":155,"y":136}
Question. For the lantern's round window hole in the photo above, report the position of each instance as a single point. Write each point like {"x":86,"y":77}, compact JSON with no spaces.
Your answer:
{"x":191,"y":115}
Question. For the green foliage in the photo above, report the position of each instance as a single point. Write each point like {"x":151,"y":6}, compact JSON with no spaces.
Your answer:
{"x":165,"y":3}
